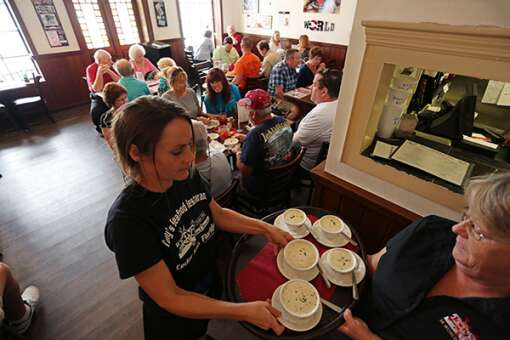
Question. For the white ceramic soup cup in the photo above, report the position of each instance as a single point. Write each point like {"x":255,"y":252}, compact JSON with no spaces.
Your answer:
{"x":299,"y":298}
{"x":341,"y":260}
{"x":301,"y":255}
{"x":294,"y":218}
{"x":331,"y":226}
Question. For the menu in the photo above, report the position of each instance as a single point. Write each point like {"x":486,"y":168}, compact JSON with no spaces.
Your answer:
{"x":434,"y":162}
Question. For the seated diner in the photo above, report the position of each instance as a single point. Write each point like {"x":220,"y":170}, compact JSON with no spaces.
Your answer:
{"x":135,"y":87}
{"x":143,"y":68}
{"x":247,"y":67}
{"x":115,"y":95}
{"x":180,"y":93}
{"x":221,"y":97}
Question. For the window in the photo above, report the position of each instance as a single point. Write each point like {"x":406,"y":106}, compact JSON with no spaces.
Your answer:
{"x":16,"y":61}
{"x":102,"y":20}
{"x":91,"y":23}
{"x":125,"y":22}
{"x":202,"y":13}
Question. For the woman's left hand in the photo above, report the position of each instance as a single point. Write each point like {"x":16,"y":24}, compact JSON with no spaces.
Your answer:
{"x":278,"y":237}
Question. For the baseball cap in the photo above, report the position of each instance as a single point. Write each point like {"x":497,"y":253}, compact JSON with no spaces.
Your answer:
{"x":259,"y":99}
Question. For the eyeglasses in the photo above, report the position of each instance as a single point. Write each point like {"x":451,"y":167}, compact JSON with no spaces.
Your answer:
{"x":472,"y":227}
{"x":475,"y":230}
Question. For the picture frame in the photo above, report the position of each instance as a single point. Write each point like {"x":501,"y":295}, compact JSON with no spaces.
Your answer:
{"x":160,"y":13}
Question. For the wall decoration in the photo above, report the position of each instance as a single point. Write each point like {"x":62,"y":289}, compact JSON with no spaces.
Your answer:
{"x":251,"y":6}
{"x":319,"y":25}
{"x":283,"y":19}
{"x":50,"y":22}
{"x":322,"y":6}
{"x":159,"y":10}
{"x":258,"y":21}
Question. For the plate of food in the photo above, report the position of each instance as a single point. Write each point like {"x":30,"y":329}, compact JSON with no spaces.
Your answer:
{"x":213,"y":135}
{"x":213,"y":123}
{"x":230,"y":142}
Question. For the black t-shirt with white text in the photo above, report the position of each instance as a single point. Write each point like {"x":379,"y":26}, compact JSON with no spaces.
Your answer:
{"x":145,"y":227}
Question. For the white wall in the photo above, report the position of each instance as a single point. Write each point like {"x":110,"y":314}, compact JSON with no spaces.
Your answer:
{"x":173,"y":30}
{"x":37,"y":35}
{"x":455,"y":12}
{"x":233,"y":14}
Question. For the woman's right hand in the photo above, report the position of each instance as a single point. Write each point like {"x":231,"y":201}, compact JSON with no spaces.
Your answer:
{"x":263,"y":315}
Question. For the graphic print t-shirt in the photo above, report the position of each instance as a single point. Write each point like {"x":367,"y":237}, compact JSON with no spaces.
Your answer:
{"x":145,"y":227}
{"x":266,"y":146}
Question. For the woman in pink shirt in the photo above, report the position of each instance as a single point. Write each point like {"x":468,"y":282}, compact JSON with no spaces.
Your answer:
{"x":140,"y":63}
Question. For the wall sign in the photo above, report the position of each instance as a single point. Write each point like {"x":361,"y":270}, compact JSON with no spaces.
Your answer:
{"x":319,"y":25}
{"x":251,"y":6}
{"x":159,"y":10}
{"x":50,"y":22}
{"x":258,"y":21}
{"x":322,"y":6}
{"x":283,"y":19}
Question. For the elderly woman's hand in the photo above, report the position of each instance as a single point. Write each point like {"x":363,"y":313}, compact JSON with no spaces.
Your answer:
{"x":356,"y":328}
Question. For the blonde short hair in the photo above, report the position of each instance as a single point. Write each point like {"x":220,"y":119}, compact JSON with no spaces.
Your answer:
{"x":175,"y":74}
{"x":124,"y":67}
{"x":134,"y":50}
{"x":488,"y":198}
{"x":165,"y":62}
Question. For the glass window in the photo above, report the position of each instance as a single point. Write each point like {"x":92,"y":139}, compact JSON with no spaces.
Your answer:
{"x":16,"y":62}
{"x":125,"y":24}
{"x":91,"y":23}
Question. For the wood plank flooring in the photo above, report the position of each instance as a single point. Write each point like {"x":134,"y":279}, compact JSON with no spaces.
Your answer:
{"x":58,"y":183}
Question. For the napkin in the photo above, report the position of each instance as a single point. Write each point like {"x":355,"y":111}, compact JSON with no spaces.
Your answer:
{"x":260,"y":278}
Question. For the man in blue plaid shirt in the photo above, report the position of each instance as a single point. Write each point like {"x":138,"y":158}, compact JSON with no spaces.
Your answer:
{"x":283,"y":79}
{"x":284,"y":76}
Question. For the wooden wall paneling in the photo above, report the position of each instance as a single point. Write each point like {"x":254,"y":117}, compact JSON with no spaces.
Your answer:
{"x":334,"y":55}
{"x":375,"y":218}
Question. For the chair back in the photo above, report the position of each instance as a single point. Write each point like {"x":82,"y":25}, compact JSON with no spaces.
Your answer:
{"x":323,"y":152}
{"x":279,"y":178}
{"x":227,"y":198}
{"x":37,"y":83}
{"x":276,"y":193}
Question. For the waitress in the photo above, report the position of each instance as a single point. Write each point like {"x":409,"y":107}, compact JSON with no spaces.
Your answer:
{"x":162,"y":226}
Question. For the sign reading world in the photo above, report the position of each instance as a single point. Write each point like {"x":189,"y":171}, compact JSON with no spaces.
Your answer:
{"x":319,"y":25}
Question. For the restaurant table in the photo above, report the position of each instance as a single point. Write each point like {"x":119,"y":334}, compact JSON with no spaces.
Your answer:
{"x":301,"y":97}
{"x":250,"y":246}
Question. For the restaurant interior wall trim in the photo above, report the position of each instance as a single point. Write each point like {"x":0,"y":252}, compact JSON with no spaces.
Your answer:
{"x":173,"y":30}
{"x":233,"y":14}
{"x":473,"y":12}
{"x":37,"y":35}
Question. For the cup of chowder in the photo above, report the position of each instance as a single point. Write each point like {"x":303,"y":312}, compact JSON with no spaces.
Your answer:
{"x":301,"y":254}
{"x":341,"y":260}
{"x":331,"y":226}
{"x":294,"y":218}
{"x":299,"y":298}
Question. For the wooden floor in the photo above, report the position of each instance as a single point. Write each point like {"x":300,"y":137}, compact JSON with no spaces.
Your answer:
{"x":58,"y":183}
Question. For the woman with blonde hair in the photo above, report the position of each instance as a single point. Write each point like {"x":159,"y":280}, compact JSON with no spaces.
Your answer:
{"x":180,"y":92}
{"x":275,"y":43}
{"x":163,"y":226}
{"x":164,"y":63}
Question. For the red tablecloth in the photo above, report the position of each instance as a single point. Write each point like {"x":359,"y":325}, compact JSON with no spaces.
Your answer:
{"x":259,"y":279}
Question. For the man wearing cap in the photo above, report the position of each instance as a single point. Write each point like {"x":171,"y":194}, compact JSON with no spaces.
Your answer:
{"x":226,"y":54}
{"x":267,"y":145}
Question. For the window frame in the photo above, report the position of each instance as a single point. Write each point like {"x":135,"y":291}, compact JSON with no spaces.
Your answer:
{"x":116,"y":49}
{"x":25,"y":37}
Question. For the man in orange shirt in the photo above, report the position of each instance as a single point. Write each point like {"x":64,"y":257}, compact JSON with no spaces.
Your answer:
{"x":246,"y":67}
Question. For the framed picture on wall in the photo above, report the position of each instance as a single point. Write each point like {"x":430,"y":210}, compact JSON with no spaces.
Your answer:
{"x":160,"y":12}
{"x":251,"y":6}
{"x":258,"y":21}
{"x":50,"y":22}
{"x":322,"y":6}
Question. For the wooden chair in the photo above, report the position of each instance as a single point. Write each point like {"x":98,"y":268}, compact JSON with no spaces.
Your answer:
{"x":306,"y":181}
{"x":32,"y":102}
{"x":227,"y":198}
{"x":197,"y":71}
{"x":5,"y":111}
{"x":276,"y":194}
